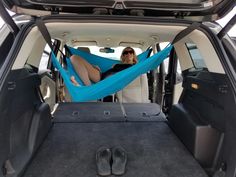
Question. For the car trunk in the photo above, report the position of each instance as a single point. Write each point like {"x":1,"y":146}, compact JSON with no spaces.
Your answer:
{"x":79,"y":129}
{"x":192,"y":134}
{"x":189,"y":142}
{"x":186,"y":143}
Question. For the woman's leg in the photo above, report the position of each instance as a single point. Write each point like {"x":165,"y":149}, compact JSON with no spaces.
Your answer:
{"x":85,"y":70}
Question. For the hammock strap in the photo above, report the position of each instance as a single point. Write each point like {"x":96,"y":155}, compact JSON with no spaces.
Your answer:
{"x":43,"y":29}
{"x":185,"y":32}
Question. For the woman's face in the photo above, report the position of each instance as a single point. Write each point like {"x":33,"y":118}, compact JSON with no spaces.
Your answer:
{"x":128,"y":56}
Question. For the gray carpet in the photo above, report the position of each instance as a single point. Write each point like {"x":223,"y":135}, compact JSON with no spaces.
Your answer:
{"x":153,"y":150}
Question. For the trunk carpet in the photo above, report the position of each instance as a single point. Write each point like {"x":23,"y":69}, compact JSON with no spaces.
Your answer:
{"x":153,"y":150}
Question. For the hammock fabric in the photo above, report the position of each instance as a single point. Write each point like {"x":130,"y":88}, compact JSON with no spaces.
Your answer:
{"x":104,"y":63}
{"x":113,"y":83}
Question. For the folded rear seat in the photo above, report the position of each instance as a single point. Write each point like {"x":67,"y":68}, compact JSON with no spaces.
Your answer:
{"x":108,"y":112}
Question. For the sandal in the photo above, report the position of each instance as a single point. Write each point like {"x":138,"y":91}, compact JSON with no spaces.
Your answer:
{"x":103,"y":159}
{"x":119,"y":157}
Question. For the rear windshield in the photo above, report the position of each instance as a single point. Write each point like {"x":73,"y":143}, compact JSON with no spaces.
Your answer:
{"x":115,"y":55}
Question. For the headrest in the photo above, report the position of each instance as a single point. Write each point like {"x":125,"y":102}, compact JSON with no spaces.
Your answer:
{"x":85,"y":49}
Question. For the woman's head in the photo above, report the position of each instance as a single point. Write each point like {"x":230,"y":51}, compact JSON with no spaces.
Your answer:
{"x":128,"y":56}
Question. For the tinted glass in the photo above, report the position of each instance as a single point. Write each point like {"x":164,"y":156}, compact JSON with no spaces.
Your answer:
{"x":196,"y":56}
{"x":116,"y":55}
{"x":5,"y":47}
{"x":43,"y":65}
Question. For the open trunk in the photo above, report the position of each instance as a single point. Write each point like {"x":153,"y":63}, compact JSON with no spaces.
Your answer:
{"x":141,"y":129}
{"x":188,"y":142}
{"x":194,"y":137}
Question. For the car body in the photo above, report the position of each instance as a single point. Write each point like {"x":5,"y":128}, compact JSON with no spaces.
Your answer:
{"x":188,"y":102}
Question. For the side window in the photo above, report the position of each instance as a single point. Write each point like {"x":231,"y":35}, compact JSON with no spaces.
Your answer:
{"x":166,"y":61}
{"x":44,"y":61}
{"x":43,"y":65}
{"x":196,"y":56}
{"x":6,"y":42}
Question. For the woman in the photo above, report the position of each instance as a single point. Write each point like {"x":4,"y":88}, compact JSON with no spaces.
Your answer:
{"x":88,"y":72}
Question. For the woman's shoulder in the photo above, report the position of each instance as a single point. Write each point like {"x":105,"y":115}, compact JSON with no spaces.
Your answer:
{"x":122,"y":66}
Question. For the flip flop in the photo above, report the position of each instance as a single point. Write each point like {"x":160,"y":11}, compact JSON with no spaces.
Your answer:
{"x":103,"y":159}
{"x":119,"y":158}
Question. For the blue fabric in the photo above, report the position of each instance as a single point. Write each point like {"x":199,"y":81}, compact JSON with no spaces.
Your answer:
{"x":103,"y":63}
{"x":72,"y":72}
{"x":113,"y":83}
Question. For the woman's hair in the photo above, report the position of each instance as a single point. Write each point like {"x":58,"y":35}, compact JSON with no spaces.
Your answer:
{"x":135,"y":60}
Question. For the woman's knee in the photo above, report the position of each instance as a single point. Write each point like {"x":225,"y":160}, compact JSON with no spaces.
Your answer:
{"x":76,"y":59}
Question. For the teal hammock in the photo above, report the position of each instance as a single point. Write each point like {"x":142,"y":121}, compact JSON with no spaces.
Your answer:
{"x":103,"y":63}
{"x":109,"y":85}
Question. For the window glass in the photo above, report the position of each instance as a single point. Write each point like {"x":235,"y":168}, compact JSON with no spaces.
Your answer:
{"x":44,"y":61}
{"x":6,"y":40}
{"x":166,"y":61}
{"x":1,"y":20}
{"x":45,"y":58}
{"x":196,"y":56}
{"x":116,"y":55}
{"x":223,"y":21}
{"x":6,"y":43}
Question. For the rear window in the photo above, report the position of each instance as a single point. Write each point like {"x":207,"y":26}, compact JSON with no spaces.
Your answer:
{"x":43,"y":65}
{"x":116,"y":55}
{"x":196,"y":56}
{"x":2,"y":21}
{"x":166,"y":61}
{"x":6,"y":43}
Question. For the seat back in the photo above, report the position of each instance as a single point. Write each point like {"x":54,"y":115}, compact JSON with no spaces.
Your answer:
{"x":25,"y":120}
{"x":85,"y":49}
{"x":135,"y":92}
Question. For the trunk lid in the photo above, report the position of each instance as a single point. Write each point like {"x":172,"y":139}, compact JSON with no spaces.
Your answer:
{"x":195,"y":10}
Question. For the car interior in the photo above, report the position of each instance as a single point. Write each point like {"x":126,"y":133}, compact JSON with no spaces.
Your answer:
{"x":176,"y":120}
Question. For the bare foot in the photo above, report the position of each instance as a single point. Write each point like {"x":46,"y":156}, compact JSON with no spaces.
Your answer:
{"x":97,"y":67}
{"x":72,"y":78}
